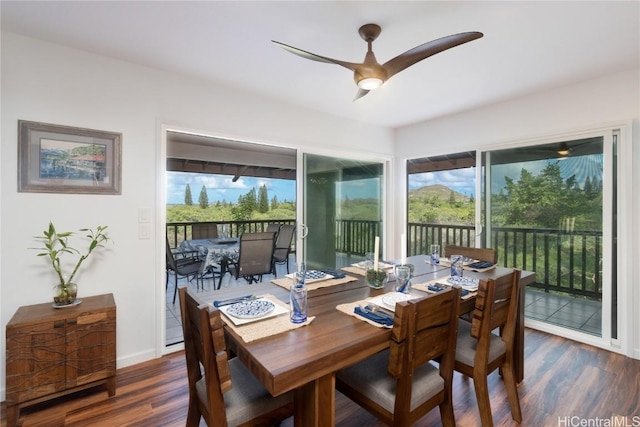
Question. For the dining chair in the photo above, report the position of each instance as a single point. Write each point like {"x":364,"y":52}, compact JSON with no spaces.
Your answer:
{"x":400,"y":385}
{"x":480,"y":351}
{"x":204,"y":230}
{"x":481,"y":254}
{"x":189,"y":267}
{"x":255,"y":256}
{"x":222,"y":390}
{"x":283,"y":246}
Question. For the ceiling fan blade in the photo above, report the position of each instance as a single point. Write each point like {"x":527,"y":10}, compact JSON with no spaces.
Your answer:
{"x":418,"y":53}
{"x":361,"y":93}
{"x":312,"y":56}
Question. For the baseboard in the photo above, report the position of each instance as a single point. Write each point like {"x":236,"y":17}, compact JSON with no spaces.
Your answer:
{"x":136,"y":358}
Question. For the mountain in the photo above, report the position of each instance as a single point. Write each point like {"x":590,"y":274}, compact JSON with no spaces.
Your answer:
{"x":437,"y":191}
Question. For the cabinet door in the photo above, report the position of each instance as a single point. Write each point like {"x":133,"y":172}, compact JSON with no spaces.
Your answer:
{"x":91,"y":347}
{"x":35,"y":360}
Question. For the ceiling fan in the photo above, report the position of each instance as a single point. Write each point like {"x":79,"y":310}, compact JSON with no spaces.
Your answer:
{"x":370,"y":74}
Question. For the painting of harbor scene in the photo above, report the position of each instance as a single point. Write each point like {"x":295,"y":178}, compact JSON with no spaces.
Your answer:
{"x":64,"y":159}
{"x":71,"y":160}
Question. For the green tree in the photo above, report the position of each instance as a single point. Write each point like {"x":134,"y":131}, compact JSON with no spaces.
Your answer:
{"x":452,"y":198}
{"x":203,"y":199}
{"x":187,"y":196}
{"x":274,"y":203}
{"x":263,"y":199}
{"x":246,"y":205}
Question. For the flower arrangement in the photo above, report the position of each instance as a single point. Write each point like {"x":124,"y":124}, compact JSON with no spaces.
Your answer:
{"x":55,"y":244}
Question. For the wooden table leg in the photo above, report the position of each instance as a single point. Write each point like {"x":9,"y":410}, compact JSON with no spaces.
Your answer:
{"x":315,"y":403}
{"x":518,"y":339}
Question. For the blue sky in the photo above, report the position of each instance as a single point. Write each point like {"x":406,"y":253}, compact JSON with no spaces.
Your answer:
{"x":220,"y":188}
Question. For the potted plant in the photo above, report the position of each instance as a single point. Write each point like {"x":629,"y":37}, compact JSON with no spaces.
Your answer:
{"x":55,"y":244}
{"x":377,"y":279}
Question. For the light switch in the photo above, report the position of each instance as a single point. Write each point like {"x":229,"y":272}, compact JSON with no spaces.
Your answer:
{"x":144,"y":231}
{"x":144,"y":215}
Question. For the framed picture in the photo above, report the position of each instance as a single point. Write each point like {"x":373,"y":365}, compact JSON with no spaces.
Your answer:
{"x":64,"y":159}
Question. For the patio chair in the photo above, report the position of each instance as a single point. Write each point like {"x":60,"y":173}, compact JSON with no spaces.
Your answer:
{"x":273,"y":228}
{"x":204,"y":231}
{"x":186,"y":267}
{"x":479,"y":351}
{"x":481,"y":254}
{"x":254,"y":256}
{"x":222,"y":391}
{"x":283,"y":246}
{"x":400,"y":385}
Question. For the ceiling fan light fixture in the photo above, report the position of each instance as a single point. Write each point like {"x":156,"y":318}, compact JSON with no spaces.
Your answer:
{"x":564,"y":150}
{"x":370,"y":83}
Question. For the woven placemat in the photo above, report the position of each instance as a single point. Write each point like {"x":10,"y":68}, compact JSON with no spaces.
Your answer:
{"x":354,"y":270}
{"x":267,"y":327}
{"x":348,"y":308}
{"x":286,"y":282}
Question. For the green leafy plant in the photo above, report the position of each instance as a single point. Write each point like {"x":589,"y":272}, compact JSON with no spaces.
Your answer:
{"x":377,"y":278}
{"x":55,"y":244}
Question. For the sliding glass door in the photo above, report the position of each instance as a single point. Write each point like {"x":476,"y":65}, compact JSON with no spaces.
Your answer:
{"x":342,"y":209}
{"x":549,"y":208}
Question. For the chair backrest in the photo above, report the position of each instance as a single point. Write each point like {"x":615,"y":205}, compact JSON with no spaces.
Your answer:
{"x":481,"y":254}
{"x":496,"y":307}
{"x":424,"y":329}
{"x":283,"y":242}
{"x":273,"y":228}
{"x":204,"y":230}
{"x":204,"y":346}
{"x":256,"y":253}
{"x":171,"y":261}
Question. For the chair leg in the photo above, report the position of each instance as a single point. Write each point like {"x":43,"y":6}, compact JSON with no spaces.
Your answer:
{"x":482,"y":396}
{"x":193,"y":414}
{"x":446,"y":414}
{"x":512,"y":391}
{"x":175,"y":290}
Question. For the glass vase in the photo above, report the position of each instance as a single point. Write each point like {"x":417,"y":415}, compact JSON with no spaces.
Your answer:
{"x":377,"y":279}
{"x":65,"y":294}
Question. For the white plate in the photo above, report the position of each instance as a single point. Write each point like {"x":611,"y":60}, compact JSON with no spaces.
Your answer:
{"x":467,"y":283}
{"x":392,"y":298}
{"x":313,"y":276}
{"x":250,"y":309}
{"x":73,"y":304}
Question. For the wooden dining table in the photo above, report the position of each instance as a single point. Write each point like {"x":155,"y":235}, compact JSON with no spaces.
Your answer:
{"x":306,"y":359}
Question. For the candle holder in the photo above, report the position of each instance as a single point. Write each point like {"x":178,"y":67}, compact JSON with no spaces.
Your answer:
{"x":377,"y":279}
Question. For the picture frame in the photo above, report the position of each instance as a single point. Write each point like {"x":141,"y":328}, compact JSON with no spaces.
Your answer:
{"x":64,"y":159}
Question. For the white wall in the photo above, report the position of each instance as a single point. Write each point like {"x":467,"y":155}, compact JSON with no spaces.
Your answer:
{"x":589,"y":105}
{"x":53,"y":84}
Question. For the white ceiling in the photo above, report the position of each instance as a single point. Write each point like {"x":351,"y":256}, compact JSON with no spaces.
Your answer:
{"x":527,"y":47}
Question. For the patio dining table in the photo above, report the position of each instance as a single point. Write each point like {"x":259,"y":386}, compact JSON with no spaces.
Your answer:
{"x":305,"y":359}
{"x":215,"y":251}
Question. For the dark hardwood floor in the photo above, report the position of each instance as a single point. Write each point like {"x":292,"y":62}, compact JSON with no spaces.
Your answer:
{"x":565,"y":383}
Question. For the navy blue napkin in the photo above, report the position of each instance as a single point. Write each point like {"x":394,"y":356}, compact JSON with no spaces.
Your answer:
{"x":383,"y":320}
{"x":438,"y":288}
{"x":337,"y":274}
{"x":231,"y":301}
{"x":481,"y":264}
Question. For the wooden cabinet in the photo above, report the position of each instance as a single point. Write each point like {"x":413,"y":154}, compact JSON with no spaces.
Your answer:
{"x":52,"y":352}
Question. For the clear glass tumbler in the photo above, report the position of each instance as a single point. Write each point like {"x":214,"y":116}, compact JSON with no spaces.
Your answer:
{"x":403,"y":278}
{"x":435,"y":254}
{"x":298,"y":295}
{"x":456,"y":265}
